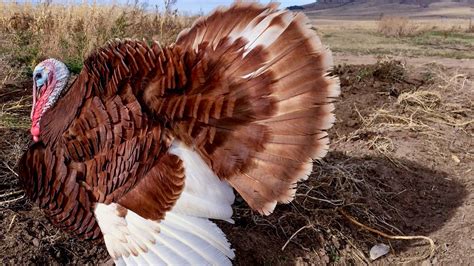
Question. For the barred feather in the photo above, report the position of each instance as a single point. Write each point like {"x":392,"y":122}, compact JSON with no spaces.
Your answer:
{"x":147,"y":143}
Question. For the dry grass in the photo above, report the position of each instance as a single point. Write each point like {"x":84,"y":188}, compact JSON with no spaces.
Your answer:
{"x":14,"y":119}
{"x":70,"y":32}
{"x":470,"y":28}
{"x":12,"y":107}
{"x":450,"y":38}
{"x":395,"y":26}
{"x":12,"y":149}
{"x":447,"y":102}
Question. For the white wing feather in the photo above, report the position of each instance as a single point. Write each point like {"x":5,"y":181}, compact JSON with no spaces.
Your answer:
{"x":185,"y":236}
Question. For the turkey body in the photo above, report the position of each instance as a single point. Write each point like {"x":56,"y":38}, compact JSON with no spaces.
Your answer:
{"x":148,"y":143}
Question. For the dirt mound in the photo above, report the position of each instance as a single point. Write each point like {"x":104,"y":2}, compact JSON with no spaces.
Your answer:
{"x":399,"y":163}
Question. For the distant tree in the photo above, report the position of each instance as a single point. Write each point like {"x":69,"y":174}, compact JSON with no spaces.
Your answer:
{"x":295,"y":8}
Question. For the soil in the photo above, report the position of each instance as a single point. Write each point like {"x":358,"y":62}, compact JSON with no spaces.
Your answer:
{"x":465,"y":66}
{"x":400,"y":180}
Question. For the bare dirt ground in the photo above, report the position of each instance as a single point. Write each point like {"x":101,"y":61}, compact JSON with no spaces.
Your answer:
{"x":401,"y":161}
{"x":465,"y":66}
{"x":396,"y":164}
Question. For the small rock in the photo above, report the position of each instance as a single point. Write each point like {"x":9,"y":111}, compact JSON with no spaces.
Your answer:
{"x":455,"y":159}
{"x":36,"y":242}
{"x":378,"y":251}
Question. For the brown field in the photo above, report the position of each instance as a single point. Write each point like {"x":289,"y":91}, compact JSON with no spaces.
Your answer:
{"x":450,"y":38}
{"x":373,"y":10}
{"x":401,"y":158}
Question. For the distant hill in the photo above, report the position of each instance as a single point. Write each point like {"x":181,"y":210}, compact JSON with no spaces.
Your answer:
{"x":373,"y":9}
{"x":322,"y":4}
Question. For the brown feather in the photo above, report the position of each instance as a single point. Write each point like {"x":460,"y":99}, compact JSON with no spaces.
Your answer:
{"x":246,"y":87}
{"x":151,"y":197}
{"x":286,"y":96}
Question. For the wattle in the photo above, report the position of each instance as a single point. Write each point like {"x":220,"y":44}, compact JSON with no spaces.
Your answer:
{"x":35,"y":132}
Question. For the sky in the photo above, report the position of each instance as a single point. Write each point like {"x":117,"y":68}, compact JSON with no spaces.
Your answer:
{"x":208,"y":5}
{"x":186,"y":6}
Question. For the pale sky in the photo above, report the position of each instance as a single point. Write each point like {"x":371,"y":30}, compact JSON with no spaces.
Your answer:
{"x":208,"y":5}
{"x":187,"y":6}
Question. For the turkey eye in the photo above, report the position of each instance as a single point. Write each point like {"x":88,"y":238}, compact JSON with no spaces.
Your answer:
{"x":38,"y":76}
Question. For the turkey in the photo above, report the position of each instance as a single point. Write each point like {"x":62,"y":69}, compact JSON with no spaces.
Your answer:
{"x":148,"y":143}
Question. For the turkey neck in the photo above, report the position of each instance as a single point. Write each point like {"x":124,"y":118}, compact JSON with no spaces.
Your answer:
{"x":57,"y":119}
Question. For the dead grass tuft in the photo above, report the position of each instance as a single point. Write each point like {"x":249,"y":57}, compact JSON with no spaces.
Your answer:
{"x":15,"y":103}
{"x":447,"y":101}
{"x":12,"y":148}
{"x":424,"y":99}
{"x":470,"y":28}
{"x":396,"y":26}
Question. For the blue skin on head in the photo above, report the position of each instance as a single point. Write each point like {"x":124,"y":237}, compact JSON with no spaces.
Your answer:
{"x":40,"y":76}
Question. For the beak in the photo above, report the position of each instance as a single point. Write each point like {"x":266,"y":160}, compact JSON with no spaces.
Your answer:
{"x":36,"y":95}
{"x":34,"y":100}
{"x":35,"y":128}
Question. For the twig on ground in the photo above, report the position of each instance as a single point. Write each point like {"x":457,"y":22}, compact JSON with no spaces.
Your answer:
{"x":336,"y":202}
{"x":4,"y":195}
{"x":294,"y":234}
{"x":431,"y":242}
{"x":2,"y":203}
{"x":11,"y":223}
{"x":9,"y":168}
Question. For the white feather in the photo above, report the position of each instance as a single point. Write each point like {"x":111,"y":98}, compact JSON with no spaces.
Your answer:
{"x":204,"y":195}
{"x":181,"y":240}
{"x":170,"y":240}
{"x":202,"y":228}
{"x":185,"y":236}
{"x":264,"y":34}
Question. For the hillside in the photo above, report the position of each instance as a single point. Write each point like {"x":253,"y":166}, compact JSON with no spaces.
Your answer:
{"x":348,"y":9}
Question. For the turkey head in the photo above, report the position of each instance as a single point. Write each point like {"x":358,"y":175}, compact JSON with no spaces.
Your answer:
{"x":49,"y":80}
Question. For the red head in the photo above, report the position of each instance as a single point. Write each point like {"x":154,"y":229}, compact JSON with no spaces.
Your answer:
{"x":49,"y":79}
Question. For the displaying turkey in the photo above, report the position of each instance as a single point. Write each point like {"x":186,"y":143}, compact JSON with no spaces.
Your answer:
{"x":147,"y":143}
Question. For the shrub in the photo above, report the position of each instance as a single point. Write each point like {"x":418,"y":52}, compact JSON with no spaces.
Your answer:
{"x":394,"y":26}
{"x":470,"y":28}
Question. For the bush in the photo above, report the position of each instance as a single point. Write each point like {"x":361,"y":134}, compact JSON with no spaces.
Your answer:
{"x":393,"y":26}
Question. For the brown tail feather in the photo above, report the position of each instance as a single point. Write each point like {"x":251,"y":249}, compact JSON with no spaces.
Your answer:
{"x":274,"y":68}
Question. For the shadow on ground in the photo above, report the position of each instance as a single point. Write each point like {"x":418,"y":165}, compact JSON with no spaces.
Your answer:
{"x":409,"y":199}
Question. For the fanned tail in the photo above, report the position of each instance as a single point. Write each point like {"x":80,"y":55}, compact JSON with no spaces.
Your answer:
{"x":269,"y":86}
